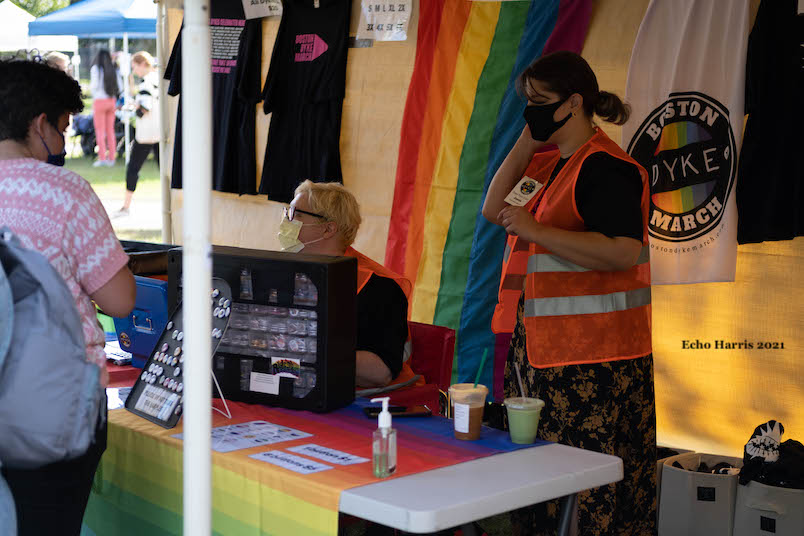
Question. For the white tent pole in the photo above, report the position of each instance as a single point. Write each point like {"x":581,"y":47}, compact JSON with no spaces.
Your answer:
{"x":126,"y":97}
{"x":164,"y":124}
{"x":197,"y":266}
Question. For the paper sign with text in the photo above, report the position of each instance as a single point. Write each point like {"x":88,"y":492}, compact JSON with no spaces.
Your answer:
{"x":383,"y":20}
{"x":290,"y":461}
{"x":257,"y":9}
{"x":328,"y":455}
{"x":264,"y":383}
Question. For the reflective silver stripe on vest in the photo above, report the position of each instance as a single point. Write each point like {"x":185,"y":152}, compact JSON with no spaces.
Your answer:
{"x":551,"y":263}
{"x":541,"y":263}
{"x":587,"y":305}
{"x":507,"y":252}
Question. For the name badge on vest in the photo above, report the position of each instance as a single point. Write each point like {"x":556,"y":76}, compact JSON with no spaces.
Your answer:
{"x":523,"y":192}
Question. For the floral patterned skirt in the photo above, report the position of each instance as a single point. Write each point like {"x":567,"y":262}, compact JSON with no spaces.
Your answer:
{"x":604,"y":407}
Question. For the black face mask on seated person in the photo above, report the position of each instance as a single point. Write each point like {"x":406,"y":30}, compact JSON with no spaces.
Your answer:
{"x":539,"y":118}
{"x":55,"y":159}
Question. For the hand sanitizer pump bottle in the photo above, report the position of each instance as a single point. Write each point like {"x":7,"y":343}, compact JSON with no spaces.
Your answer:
{"x":384,"y":442}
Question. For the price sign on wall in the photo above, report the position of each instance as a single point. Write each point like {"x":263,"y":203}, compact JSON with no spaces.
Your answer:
{"x":384,"y":20}
{"x":257,"y":9}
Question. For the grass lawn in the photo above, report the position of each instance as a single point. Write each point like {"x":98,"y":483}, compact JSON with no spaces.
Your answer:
{"x":109,"y":183}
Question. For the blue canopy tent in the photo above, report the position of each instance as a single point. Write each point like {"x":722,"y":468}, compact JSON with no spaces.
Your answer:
{"x":100,"y":19}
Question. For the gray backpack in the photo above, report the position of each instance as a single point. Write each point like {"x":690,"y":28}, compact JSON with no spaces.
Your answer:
{"x":50,"y":395}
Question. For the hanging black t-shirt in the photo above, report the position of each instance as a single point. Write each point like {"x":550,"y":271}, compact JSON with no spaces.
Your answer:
{"x":382,"y":321}
{"x":608,"y":194}
{"x":304,"y":93}
{"x":236,"y":57}
{"x":770,"y":181}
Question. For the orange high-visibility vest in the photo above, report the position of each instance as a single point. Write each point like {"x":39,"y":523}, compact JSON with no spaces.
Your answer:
{"x":515,"y":259}
{"x":574,"y":315}
{"x":365,"y":269}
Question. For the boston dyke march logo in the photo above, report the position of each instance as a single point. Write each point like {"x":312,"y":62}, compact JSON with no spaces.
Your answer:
{"x":687,"y":146}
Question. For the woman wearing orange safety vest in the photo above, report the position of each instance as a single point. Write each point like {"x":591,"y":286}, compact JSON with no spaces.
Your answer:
{"x":575,"y":289}
{"x":323,"y":218}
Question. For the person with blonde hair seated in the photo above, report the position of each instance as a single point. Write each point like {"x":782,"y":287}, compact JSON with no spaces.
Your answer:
{"x":59,"y":61}
{"x":323,"y":219}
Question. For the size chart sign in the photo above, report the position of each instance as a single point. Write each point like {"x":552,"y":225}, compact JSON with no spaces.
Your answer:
{"x":384,"y":20}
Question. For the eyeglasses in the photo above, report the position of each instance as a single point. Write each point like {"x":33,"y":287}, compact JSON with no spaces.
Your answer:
{"x":290,"y":212}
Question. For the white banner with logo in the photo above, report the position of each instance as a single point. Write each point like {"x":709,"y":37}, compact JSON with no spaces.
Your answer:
{"x":686,"y":87}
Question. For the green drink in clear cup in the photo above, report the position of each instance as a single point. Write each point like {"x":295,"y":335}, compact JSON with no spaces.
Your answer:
{"x":523,"y":418}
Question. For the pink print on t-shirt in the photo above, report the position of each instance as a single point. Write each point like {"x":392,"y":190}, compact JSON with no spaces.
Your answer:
{"x":310,"y":47}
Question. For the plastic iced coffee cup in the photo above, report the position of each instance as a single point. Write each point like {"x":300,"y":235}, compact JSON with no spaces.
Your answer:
{"x":523,"y":418}
{"x":467,"y":403}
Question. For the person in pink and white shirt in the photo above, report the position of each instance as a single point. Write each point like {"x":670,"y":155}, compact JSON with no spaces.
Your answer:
{"x":55,"y":211}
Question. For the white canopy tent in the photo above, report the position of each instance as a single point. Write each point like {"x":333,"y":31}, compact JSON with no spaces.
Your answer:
{"x":14,"y":33}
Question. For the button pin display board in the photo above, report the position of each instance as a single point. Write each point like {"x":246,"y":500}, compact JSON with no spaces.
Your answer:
{"x":159,"y":391}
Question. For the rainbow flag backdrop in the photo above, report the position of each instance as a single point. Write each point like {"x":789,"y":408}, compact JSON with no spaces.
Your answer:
{"x":461,"y":118}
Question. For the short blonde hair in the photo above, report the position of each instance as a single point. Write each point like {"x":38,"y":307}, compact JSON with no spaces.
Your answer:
{"x":143,"y":57}
{"x":56,"y":58}
{"x":336,"y":203}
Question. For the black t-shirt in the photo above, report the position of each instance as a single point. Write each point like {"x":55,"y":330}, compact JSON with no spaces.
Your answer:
{"x":236,"y":57}
{"x":608,"y":195}
{"x":770,"y":180}
{"x":382,"y":323}
{"x":304,"y":93}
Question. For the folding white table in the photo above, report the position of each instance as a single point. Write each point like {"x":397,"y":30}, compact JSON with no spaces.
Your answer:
{"x":459,"y":494}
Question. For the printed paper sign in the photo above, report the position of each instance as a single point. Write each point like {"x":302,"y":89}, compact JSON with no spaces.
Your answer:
{"x":264,"y":383}
{"x":257,"y":9}
{"x":523,"y":192}
{"x":384,"y":20}
{"x":250,"y":434}
{"x":461,"y":415}
{"x":328,"y":455}
{"x":291,"y":461}
{"x":286,"y":366}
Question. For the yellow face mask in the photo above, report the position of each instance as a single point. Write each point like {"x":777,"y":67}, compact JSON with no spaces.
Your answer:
{"x":289,"y":235}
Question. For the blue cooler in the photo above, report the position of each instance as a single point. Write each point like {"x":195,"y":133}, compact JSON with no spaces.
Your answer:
{"x":139,"y":332}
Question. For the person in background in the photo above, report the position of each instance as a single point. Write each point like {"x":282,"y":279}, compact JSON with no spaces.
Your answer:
{"x":577,"y":263}
{"x":105,"y":84}
{"x":55,"y":212}
{"x":59,"y":61}
{"x":323,"y":219}
{"x":146,"y":136}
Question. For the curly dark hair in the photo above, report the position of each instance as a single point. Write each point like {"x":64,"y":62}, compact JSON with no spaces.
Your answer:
{"x":30,"y":88}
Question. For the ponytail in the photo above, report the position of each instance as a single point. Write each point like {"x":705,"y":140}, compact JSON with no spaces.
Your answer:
{"x":565,"y":73}
{"x":611,"y":108}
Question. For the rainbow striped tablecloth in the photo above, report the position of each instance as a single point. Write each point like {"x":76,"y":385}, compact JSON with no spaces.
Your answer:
{"x":138,"y":486}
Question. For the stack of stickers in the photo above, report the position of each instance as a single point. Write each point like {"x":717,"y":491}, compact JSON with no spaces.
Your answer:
{"x":158,"y":393}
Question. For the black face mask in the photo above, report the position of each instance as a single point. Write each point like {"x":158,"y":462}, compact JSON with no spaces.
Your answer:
{"x":55,"y":159}
{"x":540,"y":119}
